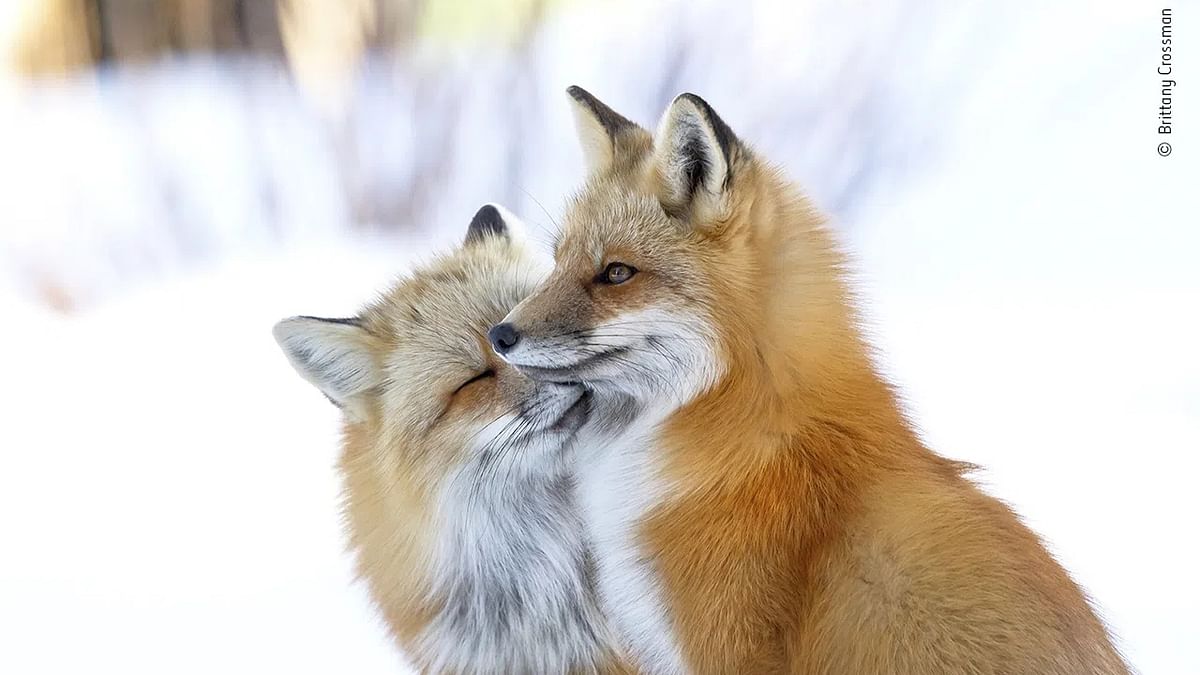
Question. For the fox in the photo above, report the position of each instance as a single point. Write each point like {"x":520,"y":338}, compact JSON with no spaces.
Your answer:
{"x":754,"y":495}
{"x":457,"y":497}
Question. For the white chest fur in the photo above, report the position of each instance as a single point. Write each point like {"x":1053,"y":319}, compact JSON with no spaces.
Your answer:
{"x":616,"y":488}
{"x":515,"y":576}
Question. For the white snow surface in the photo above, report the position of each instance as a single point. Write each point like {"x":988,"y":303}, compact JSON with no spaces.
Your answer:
{"x":167,"y":495}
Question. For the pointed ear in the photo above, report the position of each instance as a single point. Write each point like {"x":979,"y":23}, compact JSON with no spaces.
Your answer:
{"x":493,"y":220}
{"x":338,"y":356}
{"x":604,"y":134}
{"x":694,"y":156}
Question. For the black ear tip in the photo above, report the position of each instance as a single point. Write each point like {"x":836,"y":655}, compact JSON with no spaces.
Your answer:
{"x":701,"y":105}
{"x":612,"y":121}
{"x":725,"y":135}
{"x":488,"y":213}
{"x":578,"y":93}
{"x":487,"y":222}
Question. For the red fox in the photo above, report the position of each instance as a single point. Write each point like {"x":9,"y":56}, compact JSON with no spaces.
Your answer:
{"x":457,"y":496}
{"x":756,"y":499}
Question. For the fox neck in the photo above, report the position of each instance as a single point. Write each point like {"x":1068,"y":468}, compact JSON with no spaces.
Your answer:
{"x":794,"y":359}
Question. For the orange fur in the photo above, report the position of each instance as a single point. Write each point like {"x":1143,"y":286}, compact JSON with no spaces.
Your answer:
{"x":806,"y":528}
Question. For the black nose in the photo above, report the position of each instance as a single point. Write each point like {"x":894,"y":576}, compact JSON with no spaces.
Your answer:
{"x":504,"y":337}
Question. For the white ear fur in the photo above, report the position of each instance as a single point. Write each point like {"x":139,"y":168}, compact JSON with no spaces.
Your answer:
{"x":594,"y":140}
{"x":335,"y":355}
{"x":517,"y":231}
{"x":493,"y":220}
{"x":692,"y":153}
{"x":598,"y":127}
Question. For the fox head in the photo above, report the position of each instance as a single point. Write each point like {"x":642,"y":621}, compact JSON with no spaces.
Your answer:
{"x":683,"y":259}
{"x":456,"y":499}
{"x":413,"y":372}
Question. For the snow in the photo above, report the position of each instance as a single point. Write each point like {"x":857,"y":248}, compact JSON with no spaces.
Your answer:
{"x":167,"y":492}
{"x":1027,"y":265}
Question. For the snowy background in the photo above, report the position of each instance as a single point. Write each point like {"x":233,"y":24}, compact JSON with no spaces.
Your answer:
{"x":1028,"y":265}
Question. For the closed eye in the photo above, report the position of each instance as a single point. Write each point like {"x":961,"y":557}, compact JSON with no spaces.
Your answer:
{"x":485,"y":374}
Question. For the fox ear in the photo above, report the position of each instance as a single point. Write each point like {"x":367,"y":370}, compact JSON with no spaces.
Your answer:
{"x":603,"y":132}
{"x":694,"y":155}
{"x":335,"y":355}
{"x":493,"y":220}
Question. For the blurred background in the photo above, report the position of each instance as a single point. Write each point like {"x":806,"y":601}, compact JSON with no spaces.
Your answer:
{"x":175,"y":175}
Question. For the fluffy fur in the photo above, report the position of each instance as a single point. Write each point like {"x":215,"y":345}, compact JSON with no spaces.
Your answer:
{"x":459,"y":507}
{"x":764,"y":506}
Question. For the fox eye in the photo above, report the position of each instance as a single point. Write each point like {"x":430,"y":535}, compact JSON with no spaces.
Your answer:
{"x":617,"y":273}
{"x":484,"y":375}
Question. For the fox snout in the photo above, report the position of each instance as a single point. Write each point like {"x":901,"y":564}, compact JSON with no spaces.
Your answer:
{"x":561,"y":334}
{"x":545,"y":335}
{"x":555,"y":355}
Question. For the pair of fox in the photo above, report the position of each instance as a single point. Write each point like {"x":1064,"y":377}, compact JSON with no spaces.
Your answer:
{"x":669,"y":451}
